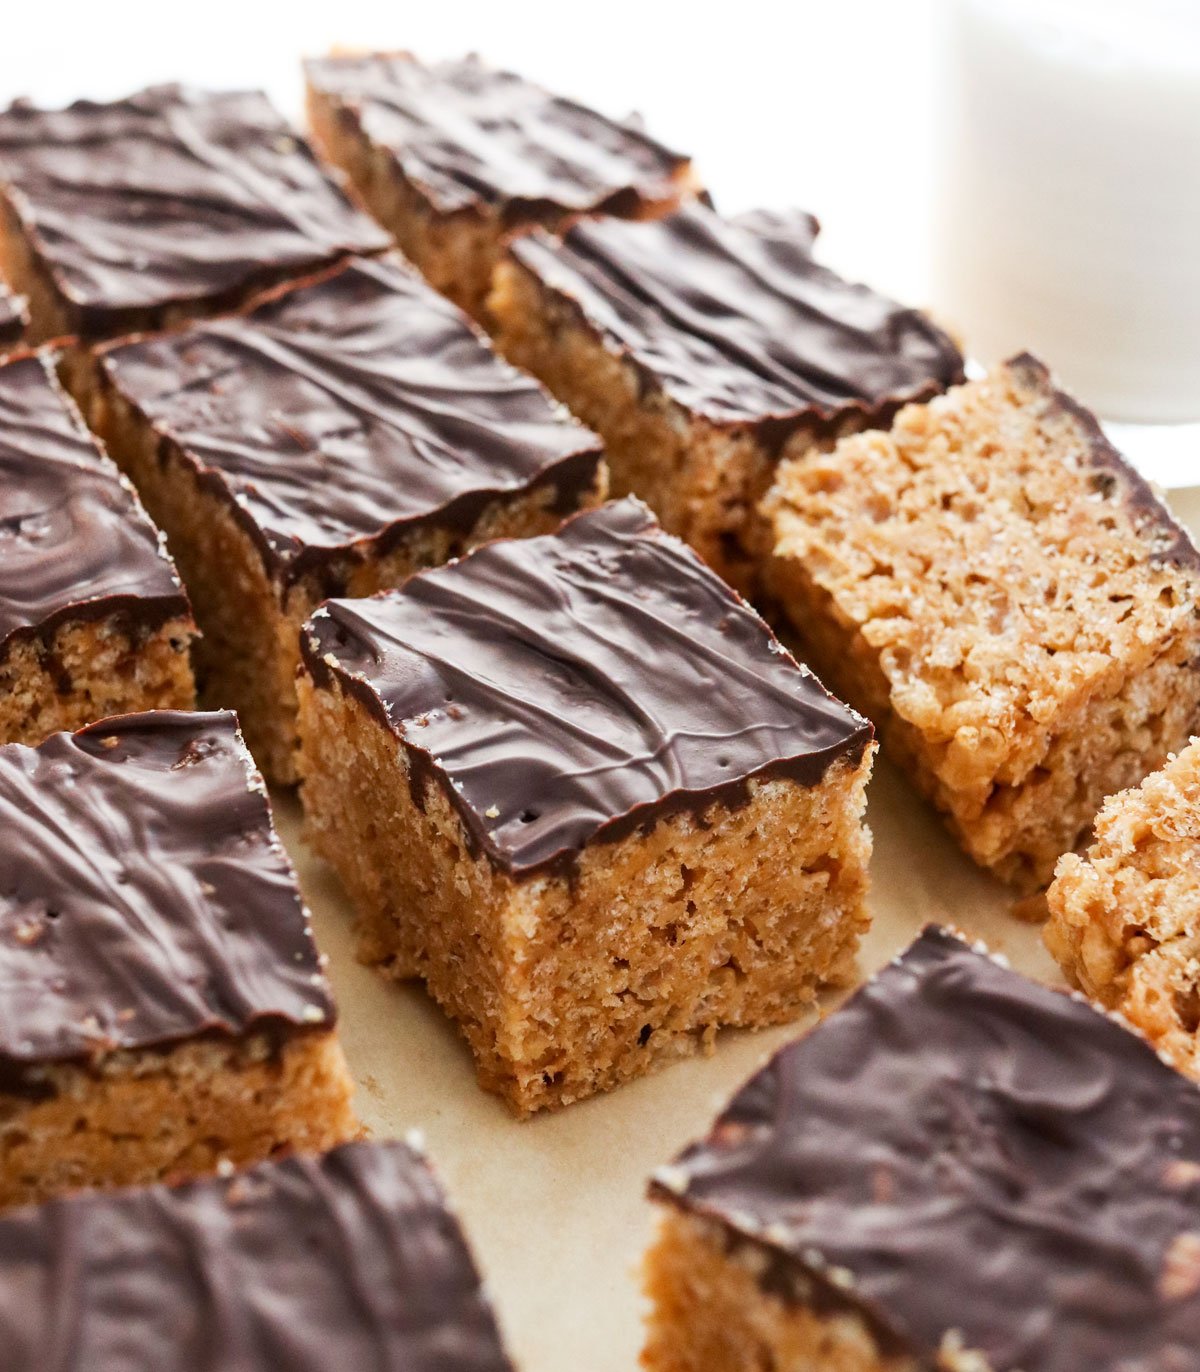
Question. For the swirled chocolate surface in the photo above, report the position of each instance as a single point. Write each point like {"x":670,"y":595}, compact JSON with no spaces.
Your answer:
{"x":74,"y":541}
{"x":961,"y":1149}
{"x":169,"y":197}
{"x":570,"y":688}
{"x":349,"y":1262}
{"x":144,"y":895}
{"x":13,"y":317}
{"x":468,"y":135}
{"x":352,"y":409}
{"x":736,"y":321}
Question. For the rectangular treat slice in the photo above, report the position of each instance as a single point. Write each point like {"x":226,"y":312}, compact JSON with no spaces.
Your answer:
{"x":350,"y":1262}
{"x":455,"y":157}
{"x":576,"y":785}
{"x":14,"y":319}
{"x":995,"y":587}
{"x":331,"y":441}
{"x":1125,"y":916}
{"x":703,"y":350}
{"x":168,"y":205}
{"x":162,"y":1004}
{"x":959,"y":1170}
{"x":93,"y":620}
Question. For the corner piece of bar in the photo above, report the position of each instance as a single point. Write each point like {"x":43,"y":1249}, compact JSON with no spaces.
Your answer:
{"x":1000,"y":591}
{"x":958,"y":1169}
{"x":347,"y":1261}
{"x":1125,"y":915}
{"x":168,"y":205}
{"x":93,"y":620}
{"x":455,"y":156}
{"x":577,"y":786}
{"x":338,"y":436}
{"x":164,"y":1010}
{"x":703,"y":350}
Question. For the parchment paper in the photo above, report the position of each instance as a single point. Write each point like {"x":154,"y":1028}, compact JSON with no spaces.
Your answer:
{"x":554,"y":1207}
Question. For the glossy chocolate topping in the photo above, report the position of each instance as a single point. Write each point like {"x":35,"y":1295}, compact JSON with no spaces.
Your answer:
{"x":349,"y":1262}
{"x":74,"y":542}
{"x":736,"y":322}
{"x":171,"y":196}
{"x":975,"y":1153}
{"x":144,"y":895}
{"x":1115,"y":479}
{"x":13,"y":317}
{"x":469,"y":136}
{"x":570,"y":688}
{"x":351,"y":409}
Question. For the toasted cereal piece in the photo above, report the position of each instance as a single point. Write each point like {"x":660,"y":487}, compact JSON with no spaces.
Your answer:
{"x":164,"y":1009}
{"x":93,"y":620}
{"x":995,"y":587}
{"x":576,"y":785}
{"x":1125,"y":916}
{"x":168,"y":205}
{"x":703,"y":351}
{"x":14,"y":319}
{"x":337,"y":437}
{"x":347,"y":1261}
{"x":959,"y":1169}
{"x":454,"y":157}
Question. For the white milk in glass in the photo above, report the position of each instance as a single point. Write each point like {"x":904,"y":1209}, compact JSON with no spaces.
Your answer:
{"x":1068,"y":210}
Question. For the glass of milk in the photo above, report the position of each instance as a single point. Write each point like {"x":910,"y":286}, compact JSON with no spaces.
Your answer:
{"x":1068,"y":211}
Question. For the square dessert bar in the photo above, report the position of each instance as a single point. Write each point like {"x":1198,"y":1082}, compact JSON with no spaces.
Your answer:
{"x":170,"y":204}
{"x":1125,"y":916}
{"x":959,"y":1170}
{"x":1003,"y":595}
{"x":455,"y":157}
{"x":93,"y":620}
{"x":162,"y":1004}
{"x":703,"y":350}
{"x":14,"y":319}
{"x":576,"y":785}
{"x":350,"y":1262}
{"x":332,"y":440}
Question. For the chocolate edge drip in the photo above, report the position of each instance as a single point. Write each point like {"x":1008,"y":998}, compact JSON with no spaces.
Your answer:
{"x":1136,"y":494}
{"x":808,"y":769}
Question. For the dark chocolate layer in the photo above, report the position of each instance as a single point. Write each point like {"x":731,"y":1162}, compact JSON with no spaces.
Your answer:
{"x":469,"y":136}
{"x":14,"y":318}
{"x":352,"y":409}
{"x":736,"y":322}
{"x":344,"y":1263}
{"x":959,"y":1148}
{"x":1115,"y":480}
{"x":568,"y":689}
{"x":74,"y":542}
{"x":171,"y":196}
{"x":144,"y":895}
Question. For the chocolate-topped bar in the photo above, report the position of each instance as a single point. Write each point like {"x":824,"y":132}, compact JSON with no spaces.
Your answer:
{"x":454,"y":156}
{"x":93,"y":620}
{"x":576,"y":785}
{"x":167,"y":205}
{"x":163,"y":1007}
{"x":959,"y":1169}
{"x":703,"y":350}
{"x":332,"y":440}
{"x":347,"y":1261}
{"x":997,"y":588}
{"x":14,"y":318}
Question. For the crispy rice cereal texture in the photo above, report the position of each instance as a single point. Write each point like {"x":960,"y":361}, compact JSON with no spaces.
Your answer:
{"x":1125,"y":916}
{"x":1012,"y":606}
{"x":711,"y":1313}
{"x":565,"y":988}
